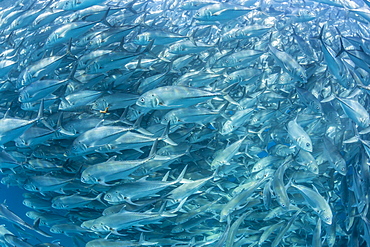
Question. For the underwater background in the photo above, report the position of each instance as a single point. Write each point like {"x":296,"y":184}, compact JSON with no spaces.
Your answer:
{"x":184,"y":123}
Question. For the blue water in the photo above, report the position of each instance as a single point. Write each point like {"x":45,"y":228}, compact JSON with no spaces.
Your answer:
{"x":285,"y":66}
{"x":13,"y":198}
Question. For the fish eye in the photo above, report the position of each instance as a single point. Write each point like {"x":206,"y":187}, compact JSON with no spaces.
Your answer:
{"x":308,"y":145}
{"x":142,"y":99}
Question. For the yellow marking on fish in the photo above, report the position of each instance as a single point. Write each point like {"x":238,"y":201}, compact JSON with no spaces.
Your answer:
{"x":105,"y":111}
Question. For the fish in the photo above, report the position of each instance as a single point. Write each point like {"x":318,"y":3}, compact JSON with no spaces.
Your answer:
{"x":317,"y":203}
{"x":224,"y":156}
{"x":194,"y":123}
{"x":220,"y":12}
{"x":111,"y":242}
{"x":43,"y":184}
{"x":316,"y":239}
{"x":334,"y":157}
{"x":36,"y":203}
{"x":285,"y":228}
{"x":111,"y":170}
{"x":185,"y":47}
{"x":158,"y":38}
{"x":16,"y":241}
{"x":307,"y":160}
{"x":115,"y":222}
{"x":139,"y":189}
{"x":67,"y":229}
{"x":309,"y":99}
{"x":267,"y":231}
{"x":247,"y":32}
{"x":288,"y":64}
{"x":12,"y":128}
{"x":237,"y":120}
{"x":180,"y":194}
{"x":72,"y":201}
{"x":172,"y":97}
{"x":353,"y":110}
{"x":7,"y":214}
{"x":40,"y":68}
{"x":70,"y":5}
{"x":8,"y":161}
{"x":335,"y":65}
{"x":200,"y":116}
{"x":239,"y":199}
{"x":278,"y":185}
{"x":299,"y":136}
{"x":239,"y":59}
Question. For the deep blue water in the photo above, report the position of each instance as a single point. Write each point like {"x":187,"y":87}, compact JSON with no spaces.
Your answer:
{"x":13,"y":198}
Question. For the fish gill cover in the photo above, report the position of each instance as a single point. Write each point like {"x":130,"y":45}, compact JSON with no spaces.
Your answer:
{"x":186,"y":123}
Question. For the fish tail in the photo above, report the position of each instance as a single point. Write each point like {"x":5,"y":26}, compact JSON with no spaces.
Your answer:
{"x":342,"y":49}
{"x":104,"y":19}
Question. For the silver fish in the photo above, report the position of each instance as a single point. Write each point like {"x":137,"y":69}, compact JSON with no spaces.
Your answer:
{"x":317,"y":202}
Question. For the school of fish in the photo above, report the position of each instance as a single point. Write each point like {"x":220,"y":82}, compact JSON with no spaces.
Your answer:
{"x":186,"y":123}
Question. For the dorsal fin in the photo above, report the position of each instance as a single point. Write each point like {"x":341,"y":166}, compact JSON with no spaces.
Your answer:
{"x":153,"y":150}
{"x":6,"y":115}
{"x":143,"y":179}
{"x":113,"y":158}
{"x":60,"y":128}
{"x":315,"y":189}
{"x":142,"y":130}
{"x":71,"y":75}
{"x":99,"y":124}
{"x":40,"y":114}
{"x":161,"y":210}
{"x":138,"y":122}
{"x":165,"y":177}
{"x":165,"y":136}
{"x":181,"y":176}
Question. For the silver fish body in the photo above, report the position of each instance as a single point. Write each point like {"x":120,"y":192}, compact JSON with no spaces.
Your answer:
{"x":299,"y":136}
